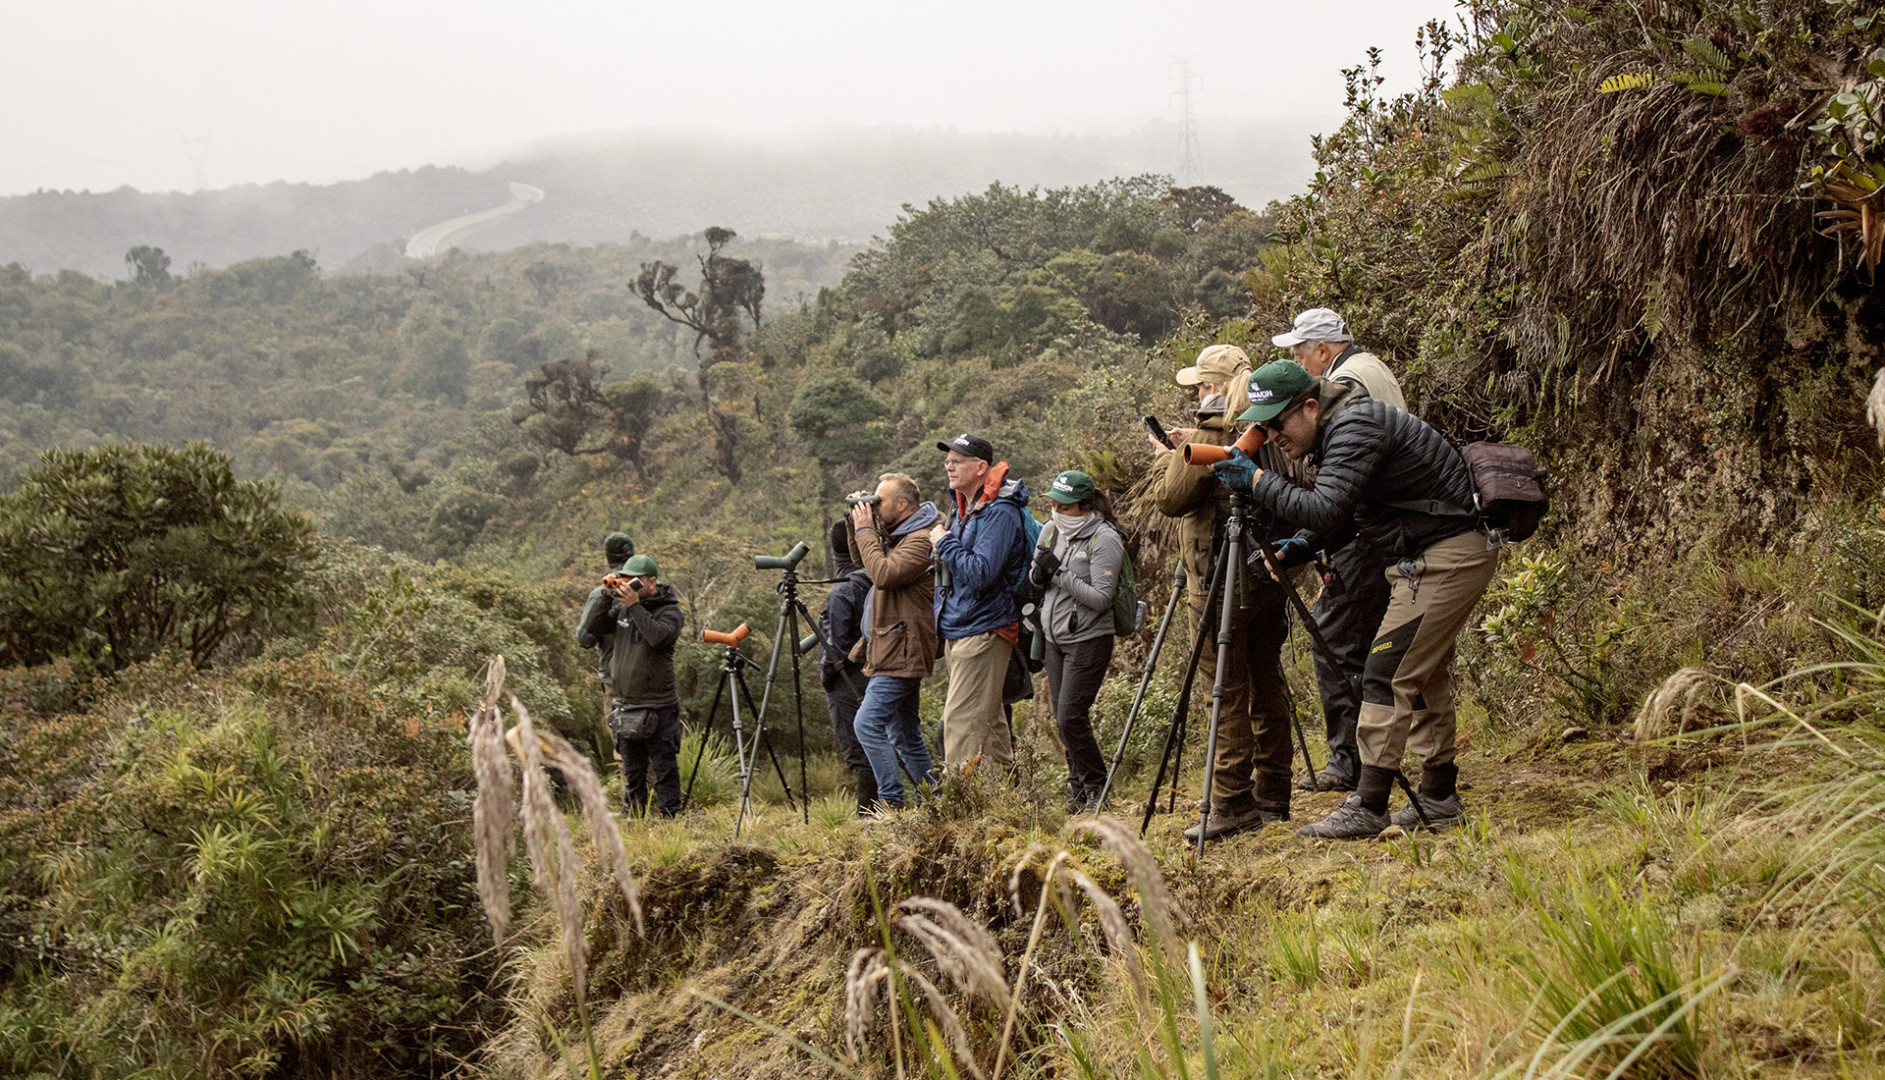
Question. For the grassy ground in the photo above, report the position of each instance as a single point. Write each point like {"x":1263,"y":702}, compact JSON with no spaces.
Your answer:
{"x":1599,"y":891}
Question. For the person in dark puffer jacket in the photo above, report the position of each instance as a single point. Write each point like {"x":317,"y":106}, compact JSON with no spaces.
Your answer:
{"x":1401,"y":486}
{"x":842,"y":625}
{"x":637,"y":633}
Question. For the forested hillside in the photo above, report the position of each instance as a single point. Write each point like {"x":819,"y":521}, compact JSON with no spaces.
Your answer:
{"x":1641,"y":239}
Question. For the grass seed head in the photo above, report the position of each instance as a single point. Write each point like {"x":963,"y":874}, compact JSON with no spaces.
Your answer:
{"x":552,"y":851}
{"x":1681,"y":688}
{"x":582,"y":779}
{"x":1154,"y":899}
{"x":963,"y":949}
{"x":492,"y":813}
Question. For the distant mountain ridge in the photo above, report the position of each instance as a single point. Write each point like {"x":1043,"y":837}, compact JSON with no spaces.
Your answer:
{"x":846,"y":185}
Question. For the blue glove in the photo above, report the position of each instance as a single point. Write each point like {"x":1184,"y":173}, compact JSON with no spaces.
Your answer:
{"x":1290,"y":552}
{"x":1237,"y":472}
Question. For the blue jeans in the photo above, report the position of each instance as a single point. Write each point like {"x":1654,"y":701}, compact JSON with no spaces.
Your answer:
{"x":887,"y":729}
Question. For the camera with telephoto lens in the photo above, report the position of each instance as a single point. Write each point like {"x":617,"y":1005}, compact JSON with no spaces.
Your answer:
{"x":863,"y":498}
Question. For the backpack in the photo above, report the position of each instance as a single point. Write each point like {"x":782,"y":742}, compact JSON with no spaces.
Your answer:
{"x":1508,"y":489}
{"x":1509,"y":497}
{"x":1126,"y":614}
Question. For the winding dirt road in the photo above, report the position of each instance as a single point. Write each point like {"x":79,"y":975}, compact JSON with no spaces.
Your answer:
{"x":425,"y":243}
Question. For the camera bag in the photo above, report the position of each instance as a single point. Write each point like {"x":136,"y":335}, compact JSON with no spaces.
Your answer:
{"x":631,"y":721}
{"x":1508,"y":488}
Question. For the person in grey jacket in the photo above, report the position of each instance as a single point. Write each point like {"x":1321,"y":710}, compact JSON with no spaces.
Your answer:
{"x":636,"y":633}
{"x":1076,"y":569}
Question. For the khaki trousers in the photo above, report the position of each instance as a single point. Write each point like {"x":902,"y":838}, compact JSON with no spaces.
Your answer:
{"x":973,"y":719}
{"x":1253,"y":726}
{"x":1407,"y":685}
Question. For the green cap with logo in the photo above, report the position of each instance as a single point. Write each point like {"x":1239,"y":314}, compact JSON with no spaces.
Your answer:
{"x":1071,"y":487}
{"x":641,"y":566}
{"x":1274,"y":387}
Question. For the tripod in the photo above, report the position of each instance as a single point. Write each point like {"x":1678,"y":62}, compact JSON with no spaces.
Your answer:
{"x":791,"y":609}
{"x":1226,"y":570}
{"x":733,"y":685}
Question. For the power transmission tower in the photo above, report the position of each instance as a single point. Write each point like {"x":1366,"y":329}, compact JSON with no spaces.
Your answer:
{"x":1190,"y":159}
{"x":198,"y":150}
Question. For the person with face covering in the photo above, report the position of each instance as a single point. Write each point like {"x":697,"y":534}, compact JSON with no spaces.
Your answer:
{"x":1076,"y":576}
{"x":1250,"y":777}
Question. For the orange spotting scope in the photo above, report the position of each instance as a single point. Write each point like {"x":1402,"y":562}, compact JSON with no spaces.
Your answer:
{"x":1206,"y":454}
{"x":732,"y":640}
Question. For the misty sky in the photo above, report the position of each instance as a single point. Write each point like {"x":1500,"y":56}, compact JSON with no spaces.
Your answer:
{"x":111,"y":92}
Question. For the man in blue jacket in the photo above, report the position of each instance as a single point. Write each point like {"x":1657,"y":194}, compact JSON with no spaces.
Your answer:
{"x":981,"y":553}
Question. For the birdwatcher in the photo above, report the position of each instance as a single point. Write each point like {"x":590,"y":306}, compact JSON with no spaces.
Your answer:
{"x":891,"y":541}
{"x":981,"y":553}
{"x":1354,"y":592}
{"x":1250,"y":775}
{"x":637,"y":633}
{"x":1076,"y":578}
{"x":616,"y":549}
{"x":842,"y":624}
{"x":1391,"y":478}
{"x":1320,"y":341}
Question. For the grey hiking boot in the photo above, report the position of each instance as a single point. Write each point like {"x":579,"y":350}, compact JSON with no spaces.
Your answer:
{"x":1441,"y":813}
{"x":1327,"y":780}
{"x":1224,"y":823}
{"x":1439,"y":797}
{"x":1350,"y":821}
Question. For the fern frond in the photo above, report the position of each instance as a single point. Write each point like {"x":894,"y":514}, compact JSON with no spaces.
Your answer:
{"x":1635,"y":80}
{"x":1705,"y":51}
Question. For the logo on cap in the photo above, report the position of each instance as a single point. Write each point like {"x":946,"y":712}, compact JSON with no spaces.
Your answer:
{"x":1061,"y":484}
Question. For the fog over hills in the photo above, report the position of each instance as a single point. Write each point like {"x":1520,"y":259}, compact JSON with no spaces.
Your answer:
{"x":843,"y":184}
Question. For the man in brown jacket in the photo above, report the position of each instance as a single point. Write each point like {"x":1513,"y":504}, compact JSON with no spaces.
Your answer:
{"x":1250,"y":778}
{"x":899,"y":643}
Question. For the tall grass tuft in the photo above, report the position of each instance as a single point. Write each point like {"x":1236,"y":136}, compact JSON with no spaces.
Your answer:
{"x":1606,"y":983}
{"x":491,"y":812}
{"x":547,"y":837}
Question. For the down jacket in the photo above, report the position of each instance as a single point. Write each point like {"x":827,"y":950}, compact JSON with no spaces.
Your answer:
{"x":1370,"y":457}
{"x":637,"y":643}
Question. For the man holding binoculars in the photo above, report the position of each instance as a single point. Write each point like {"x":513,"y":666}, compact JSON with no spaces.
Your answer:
{"x":636,"y":631}
{"x":890,"y":540}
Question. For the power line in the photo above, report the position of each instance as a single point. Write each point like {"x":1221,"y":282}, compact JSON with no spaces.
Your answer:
{"x":198,"y":150}
{"x":1190,"y":158}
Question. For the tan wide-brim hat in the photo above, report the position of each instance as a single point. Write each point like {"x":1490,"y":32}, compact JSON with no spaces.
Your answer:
{"x":1217,"y":365}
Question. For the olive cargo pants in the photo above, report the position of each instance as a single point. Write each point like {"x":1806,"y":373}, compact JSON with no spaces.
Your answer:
{"x":1407,"y":686}
{"x":1253,"y":751}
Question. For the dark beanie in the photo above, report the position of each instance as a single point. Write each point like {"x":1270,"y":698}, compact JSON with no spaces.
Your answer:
{"x":840,"y":538}
{"x":617,"y":547}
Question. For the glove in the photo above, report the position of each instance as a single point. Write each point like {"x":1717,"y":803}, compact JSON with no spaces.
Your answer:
{"x":1046,"y":565}
{"x":1237,"y":472}
{"x":1290,"y":552}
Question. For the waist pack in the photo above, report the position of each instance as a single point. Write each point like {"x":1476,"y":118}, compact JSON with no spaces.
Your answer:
{"x":632,"y":721}
{"x":1509,"y":496}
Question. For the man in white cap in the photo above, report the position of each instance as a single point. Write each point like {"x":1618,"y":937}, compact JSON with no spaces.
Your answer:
{"x":1354,"y":593}
{"x":1321,"y":343}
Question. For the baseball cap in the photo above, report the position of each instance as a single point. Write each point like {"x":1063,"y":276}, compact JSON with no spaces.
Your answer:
{"x":1071,"y":487}
{"x":969,"y":446}
{"x":641,"y":566}
{"x":1274,"y":387}
{"x":1217,"y":365}
{"x":1316,"y":324}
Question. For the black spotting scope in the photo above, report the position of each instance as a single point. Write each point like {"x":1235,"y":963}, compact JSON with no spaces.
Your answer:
{"x":783,"y":562}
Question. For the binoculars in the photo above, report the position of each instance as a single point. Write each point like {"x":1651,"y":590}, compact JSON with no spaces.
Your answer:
{"x":731,"y":640}
{"x":613,"y":580}
{"x":787,"y":561}
{"x":863,"y":498}
{"x":1248,"y":442}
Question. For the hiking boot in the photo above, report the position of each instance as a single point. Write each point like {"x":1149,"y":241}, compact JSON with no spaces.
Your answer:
{"x":1327,"y":780}
{"x":1223,"y":823}
{"x":1439,"y":797}
{"x":1350,"y":821}
{"x":1442,"y":813}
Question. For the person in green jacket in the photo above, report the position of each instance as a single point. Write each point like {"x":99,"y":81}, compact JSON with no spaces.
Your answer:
{"x":636,"y":633}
